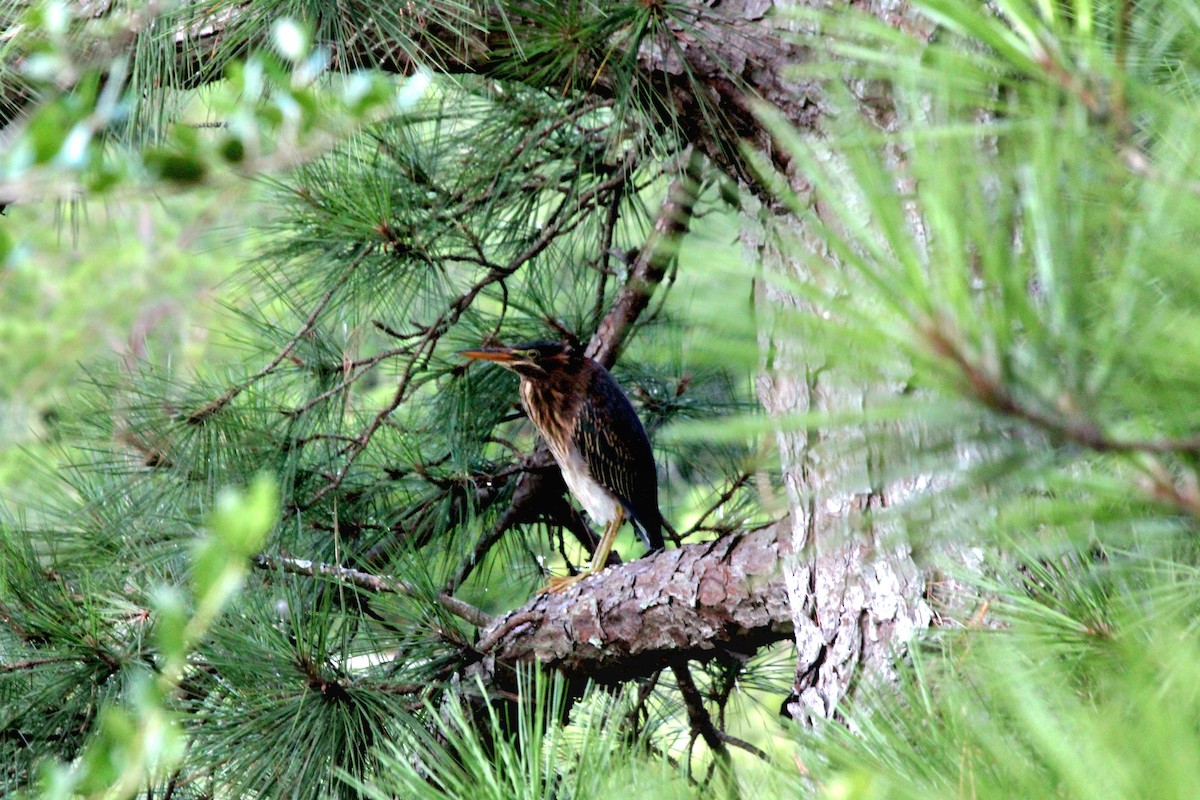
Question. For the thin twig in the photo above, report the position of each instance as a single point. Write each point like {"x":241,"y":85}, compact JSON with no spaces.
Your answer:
{"x":607,"y":244}
{"x":19,"y":666}
{"x":724,"y":498}
{"x":536,"y":135}
{"x":519,"y":510}
{"x":635,"y":715}
{"x":219,"y":403}
{"x":379,"y":584}
{"x":509,"y":625}
{"x":743,"y":745}
{"x":357,"y":369}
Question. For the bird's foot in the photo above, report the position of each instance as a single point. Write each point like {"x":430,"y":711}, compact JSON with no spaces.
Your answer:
{"x":558,"y":585}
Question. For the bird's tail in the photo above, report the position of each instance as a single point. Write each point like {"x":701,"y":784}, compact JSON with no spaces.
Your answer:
{"x":649,"y":531}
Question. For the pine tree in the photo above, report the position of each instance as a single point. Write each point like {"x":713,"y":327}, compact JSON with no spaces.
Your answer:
{"x":966,"y":228}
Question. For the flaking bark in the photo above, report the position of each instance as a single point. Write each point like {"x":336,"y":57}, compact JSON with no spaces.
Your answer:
{"x":857,"y":595}
{"x":697,"y":602}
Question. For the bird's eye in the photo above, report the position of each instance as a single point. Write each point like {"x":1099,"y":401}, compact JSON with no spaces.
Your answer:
{"x":531,"y":355}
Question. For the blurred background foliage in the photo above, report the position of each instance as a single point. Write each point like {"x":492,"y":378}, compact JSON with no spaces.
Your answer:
{"x":129,"y":278}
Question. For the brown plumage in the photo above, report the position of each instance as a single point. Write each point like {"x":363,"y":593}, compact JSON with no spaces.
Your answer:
{"x":594,"y":433}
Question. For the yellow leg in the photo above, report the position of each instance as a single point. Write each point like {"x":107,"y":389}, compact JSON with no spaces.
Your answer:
{"x":599,"y":558}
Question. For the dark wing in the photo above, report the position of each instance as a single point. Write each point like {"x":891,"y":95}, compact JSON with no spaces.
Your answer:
{"x":617,"y":452}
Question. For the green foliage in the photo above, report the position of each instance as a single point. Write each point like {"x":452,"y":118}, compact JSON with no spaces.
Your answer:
{"x":1032,"y":261}
{"x":83,"y":282}
{"x":439,"y":214}
{"x":1015,"y":252}
{"x":1023,"y":712}
{"x":274,"y":111}
{"x":136,"y":737}
{"x":1018,"y":250}
{"x":526,"y":751}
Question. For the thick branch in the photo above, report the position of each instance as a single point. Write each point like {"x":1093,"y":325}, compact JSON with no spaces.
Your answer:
{"x":629,"y":621}
{"x":657,"y":253}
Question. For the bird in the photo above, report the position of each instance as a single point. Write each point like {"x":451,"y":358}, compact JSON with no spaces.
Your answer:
{"x":595,"y":436}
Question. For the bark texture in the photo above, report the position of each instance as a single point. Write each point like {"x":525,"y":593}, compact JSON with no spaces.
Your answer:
{"x":697,"y":602}
{"x":857,"y":596}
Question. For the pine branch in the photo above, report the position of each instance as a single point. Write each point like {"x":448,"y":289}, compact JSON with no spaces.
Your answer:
{"x":379,"y":584}
{"x":657,"y":253}
{"x":540,"y":492}
{"x":32,"y":663}
{"x":995,"y":394}
{"x":707,"y":65}
{"x":219,"y":403}
{"x":722,"y":499}
{"x":702,"y":725}
{"x":696,"y":602}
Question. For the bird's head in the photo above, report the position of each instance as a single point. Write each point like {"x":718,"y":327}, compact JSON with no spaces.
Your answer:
{"x":533,"y":360}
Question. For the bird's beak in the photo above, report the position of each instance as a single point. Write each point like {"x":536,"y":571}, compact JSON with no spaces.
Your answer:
{"x":501,"y":355}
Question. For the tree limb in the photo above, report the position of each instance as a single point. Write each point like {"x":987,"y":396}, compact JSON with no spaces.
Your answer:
{"x":655,"y":256}
{"x":628,"y":621}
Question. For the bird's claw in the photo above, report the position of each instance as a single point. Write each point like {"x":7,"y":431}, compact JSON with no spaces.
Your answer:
{"x":558,"y":585}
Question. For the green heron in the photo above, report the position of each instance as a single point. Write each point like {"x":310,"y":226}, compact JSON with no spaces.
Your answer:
{"x":595,"y":436}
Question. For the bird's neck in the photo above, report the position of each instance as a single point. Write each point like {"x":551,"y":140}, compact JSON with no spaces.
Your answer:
{"x":551,"y":405}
